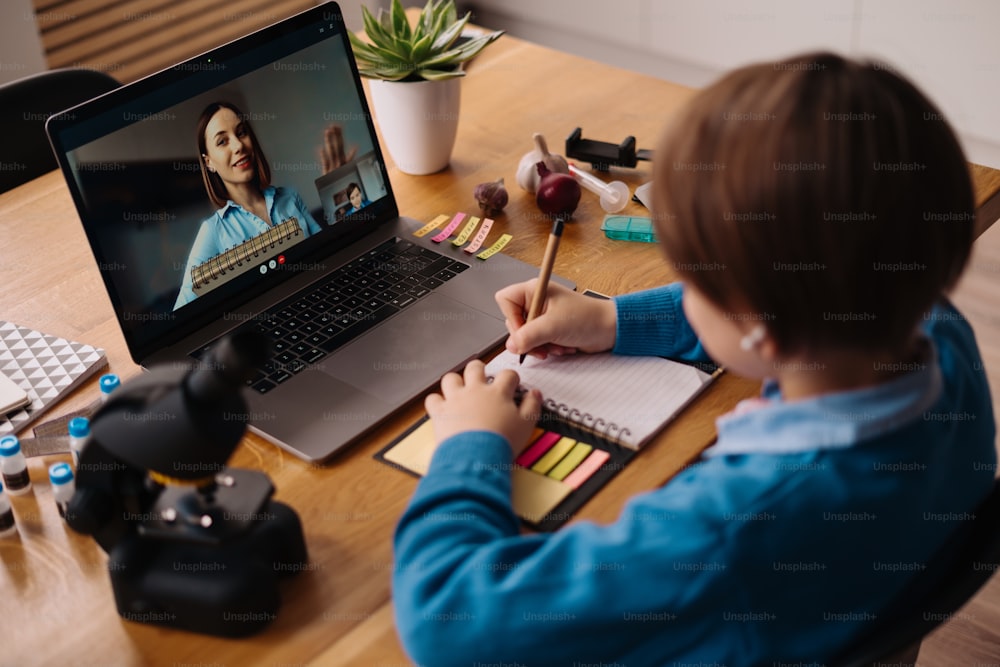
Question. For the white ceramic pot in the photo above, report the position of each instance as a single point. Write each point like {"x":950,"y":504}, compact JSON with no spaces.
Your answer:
{"x":418,"y":120}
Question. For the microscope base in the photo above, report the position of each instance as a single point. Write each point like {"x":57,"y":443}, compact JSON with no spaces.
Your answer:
{"x":229,"y":590}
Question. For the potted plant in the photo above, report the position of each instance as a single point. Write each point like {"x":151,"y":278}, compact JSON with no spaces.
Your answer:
{"x":415,"y":74}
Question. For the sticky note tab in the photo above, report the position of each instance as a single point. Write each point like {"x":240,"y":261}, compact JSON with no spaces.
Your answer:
{"x":535,"y":496}
{"x":553,"y":456}
{"x":539,"y":447}
{"x":585,"y":470}
{"x":466,"y":232}
{"x":570,"y":461}
{"x":415,"y":451}
{"x":449,"y":228}
{"x":477,"y":242}
{"x":432,"y":225}
{"x":496,"y":247}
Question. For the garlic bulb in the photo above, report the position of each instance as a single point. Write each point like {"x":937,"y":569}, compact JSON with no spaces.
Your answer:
{"x":527,"y":175}
{"x":492,"y":196}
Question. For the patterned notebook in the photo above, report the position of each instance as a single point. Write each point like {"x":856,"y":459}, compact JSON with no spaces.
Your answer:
{"x":45,"y":366}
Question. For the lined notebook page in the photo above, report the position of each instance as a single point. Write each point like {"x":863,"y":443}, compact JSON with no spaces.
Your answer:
{"x":627,"y":398}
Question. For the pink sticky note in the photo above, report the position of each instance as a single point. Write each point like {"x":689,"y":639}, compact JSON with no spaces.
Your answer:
{"x":588,"y":467}
{"x":535,"y":452}
{"x":449,"y":228}
{"x":477,"y":242}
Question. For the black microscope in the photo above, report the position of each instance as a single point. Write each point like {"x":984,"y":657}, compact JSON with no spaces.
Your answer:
{"x":191,"y":543}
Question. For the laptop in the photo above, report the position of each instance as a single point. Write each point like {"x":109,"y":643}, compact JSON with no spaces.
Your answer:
{"x":362,"y":315}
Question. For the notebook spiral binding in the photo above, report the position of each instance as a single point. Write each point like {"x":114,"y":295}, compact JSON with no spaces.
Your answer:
{"x":244,"y":256}
{"x":585,"y":424}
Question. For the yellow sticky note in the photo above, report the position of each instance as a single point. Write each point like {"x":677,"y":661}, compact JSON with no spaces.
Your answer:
{"x":570,"y":461}
{"x":534,"y":496}
{"x":431,"y":226}
{"x":496,"y":247}
{"x":415,"y":451}
{"x":466,"y":232}
{"x":553,"y":456}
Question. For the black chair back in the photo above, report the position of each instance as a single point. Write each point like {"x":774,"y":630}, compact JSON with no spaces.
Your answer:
{"x":952,"y":577}
{"x":25,"y":105}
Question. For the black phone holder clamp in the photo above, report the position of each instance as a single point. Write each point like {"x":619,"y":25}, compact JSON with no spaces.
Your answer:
{"x":603,"y":155}
{"x":191,"y":543}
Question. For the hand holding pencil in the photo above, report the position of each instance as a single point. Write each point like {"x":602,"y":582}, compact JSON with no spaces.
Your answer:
{"x":548,"y":261}
{"x":562,"y":322}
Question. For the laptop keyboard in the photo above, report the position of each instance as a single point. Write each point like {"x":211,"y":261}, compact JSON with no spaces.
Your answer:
{"x":345,"y":304}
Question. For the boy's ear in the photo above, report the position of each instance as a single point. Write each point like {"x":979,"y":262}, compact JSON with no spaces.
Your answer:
{"x":768,"y":349}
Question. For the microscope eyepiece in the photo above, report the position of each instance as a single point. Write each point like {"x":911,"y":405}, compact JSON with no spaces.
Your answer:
{"x":233,"y":361}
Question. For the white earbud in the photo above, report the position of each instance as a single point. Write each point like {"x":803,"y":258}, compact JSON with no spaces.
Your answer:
{"x":753,"y":339}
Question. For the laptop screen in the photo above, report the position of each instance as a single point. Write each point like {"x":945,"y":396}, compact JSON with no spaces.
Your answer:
{"x":203,"y":185}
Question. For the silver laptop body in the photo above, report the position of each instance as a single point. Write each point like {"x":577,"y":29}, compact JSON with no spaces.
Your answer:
{"x":132,"y":164}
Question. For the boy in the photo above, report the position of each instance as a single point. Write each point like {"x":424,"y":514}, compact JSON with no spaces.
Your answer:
{"x":817,"y":260}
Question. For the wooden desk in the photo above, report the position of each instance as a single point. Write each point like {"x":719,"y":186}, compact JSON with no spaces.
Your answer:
{"x":58,"y":607}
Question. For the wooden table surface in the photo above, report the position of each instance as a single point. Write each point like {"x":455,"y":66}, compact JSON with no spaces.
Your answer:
{"x":57,"y":601}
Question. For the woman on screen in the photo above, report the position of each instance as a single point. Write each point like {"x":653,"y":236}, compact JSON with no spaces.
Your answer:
{"x":237,"y":178}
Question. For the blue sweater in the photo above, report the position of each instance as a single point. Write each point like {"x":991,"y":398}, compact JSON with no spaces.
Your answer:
{"x":788,"y":537}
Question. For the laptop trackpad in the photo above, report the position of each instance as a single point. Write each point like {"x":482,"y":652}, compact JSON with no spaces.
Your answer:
{"x":319,"y":413}
{"x":409,"y":353}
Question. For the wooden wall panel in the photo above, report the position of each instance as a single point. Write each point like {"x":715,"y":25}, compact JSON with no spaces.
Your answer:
{"x":132,"y":38}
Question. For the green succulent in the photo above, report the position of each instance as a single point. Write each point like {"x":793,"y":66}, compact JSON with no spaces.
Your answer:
{"x":398,"y":52}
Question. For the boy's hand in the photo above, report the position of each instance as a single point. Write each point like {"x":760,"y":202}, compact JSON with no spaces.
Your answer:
{"x":469,"y":403}
{"x":569,"y":322}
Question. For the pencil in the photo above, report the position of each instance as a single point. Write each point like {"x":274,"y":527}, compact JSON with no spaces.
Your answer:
{"x":548,"y":260}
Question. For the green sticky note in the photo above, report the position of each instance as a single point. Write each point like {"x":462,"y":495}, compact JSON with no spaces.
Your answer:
{"x":466,"y":232}
{"x":553,"y":456}
{"x":570,"y":461}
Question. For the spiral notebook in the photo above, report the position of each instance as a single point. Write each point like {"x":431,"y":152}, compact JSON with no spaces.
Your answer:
{"x":624,"y":400}
{"x":246,"y":256}
{"x":600,"y":409}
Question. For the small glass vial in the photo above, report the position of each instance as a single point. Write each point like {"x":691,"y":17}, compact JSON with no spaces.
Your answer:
{"x":109,"y":383}
{"x":14,"y":466}
{"x":7,"y":525}
{"x":79,"y":436}
{"x":63,"y":485}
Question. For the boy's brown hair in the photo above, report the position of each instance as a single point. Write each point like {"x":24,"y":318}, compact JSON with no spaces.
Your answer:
{"x":826,"y":197}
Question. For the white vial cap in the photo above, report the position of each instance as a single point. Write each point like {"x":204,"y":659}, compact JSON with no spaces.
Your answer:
{"x":9,"y":445}
{"x":60,"y":473}
{"x":79,"y":427}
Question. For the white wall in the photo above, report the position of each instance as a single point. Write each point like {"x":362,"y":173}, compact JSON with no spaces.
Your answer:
{"x":21,"y":51}
{"x":351,"y":9}
{"x":952,"y":51}
{"x":950,"y":48}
